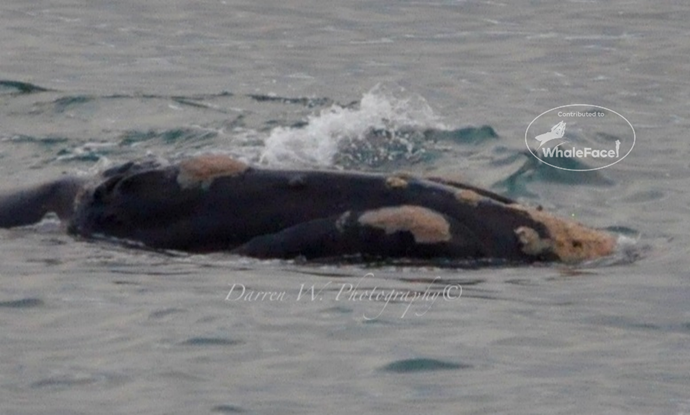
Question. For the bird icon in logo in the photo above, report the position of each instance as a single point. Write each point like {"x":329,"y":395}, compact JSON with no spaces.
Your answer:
{"x":557,"y":131}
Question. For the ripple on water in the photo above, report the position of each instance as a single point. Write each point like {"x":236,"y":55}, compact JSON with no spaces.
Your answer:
{"x":423,"y":365}
{"x":467,"y":135}
{"x":210,"y":341}
{"x":71,"y":380}
{"x":22,"y":303}
{"x":227,"y":409}
{"x":17,"y":87}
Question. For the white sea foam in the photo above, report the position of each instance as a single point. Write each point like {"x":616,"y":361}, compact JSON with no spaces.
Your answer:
{"x":628,"y":250}
{"x":318,"y":141}
{"x":623,"y":242}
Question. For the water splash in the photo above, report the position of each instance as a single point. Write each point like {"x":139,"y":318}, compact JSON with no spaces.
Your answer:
{"x":385,"y":114}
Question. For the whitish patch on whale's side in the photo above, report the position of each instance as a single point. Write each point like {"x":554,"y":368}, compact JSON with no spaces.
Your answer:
{"x":427,"y":226}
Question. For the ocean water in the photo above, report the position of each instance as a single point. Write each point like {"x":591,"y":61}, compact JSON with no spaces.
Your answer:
{"x":443,"y":88}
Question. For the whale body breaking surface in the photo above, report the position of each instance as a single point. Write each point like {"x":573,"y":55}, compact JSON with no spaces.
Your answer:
{"x":217,"y":203}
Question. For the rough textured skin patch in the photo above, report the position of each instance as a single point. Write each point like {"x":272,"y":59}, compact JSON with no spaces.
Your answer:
{"x":396,"y":182}
{"x":468,"y":196}
{"x":531,"y":243}
{"x":297,"y":181}
{"x":426,"y":225}
{"x":570,"y":241}
{"x":342,"y":220}
{"x":203,"y":170}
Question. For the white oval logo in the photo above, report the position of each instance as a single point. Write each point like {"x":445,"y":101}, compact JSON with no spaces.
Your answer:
{"x":580,"y":137}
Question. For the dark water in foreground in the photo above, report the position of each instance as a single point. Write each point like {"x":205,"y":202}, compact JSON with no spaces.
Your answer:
{"x":443,"y":88}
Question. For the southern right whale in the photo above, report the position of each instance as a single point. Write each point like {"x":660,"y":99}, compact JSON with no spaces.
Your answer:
{"x":216,"y":203}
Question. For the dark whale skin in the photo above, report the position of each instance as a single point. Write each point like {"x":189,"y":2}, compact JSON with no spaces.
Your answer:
{"x":215,"y":203}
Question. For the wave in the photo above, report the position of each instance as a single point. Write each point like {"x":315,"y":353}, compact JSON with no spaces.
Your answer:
{"x":18,"y":87}
{"x":382,"y":123}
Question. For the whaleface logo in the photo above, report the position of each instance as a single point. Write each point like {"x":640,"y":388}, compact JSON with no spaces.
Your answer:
{"x":596,"y":137}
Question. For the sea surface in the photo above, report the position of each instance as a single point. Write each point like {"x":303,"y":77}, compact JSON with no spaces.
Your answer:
{"x":445,"y":88}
